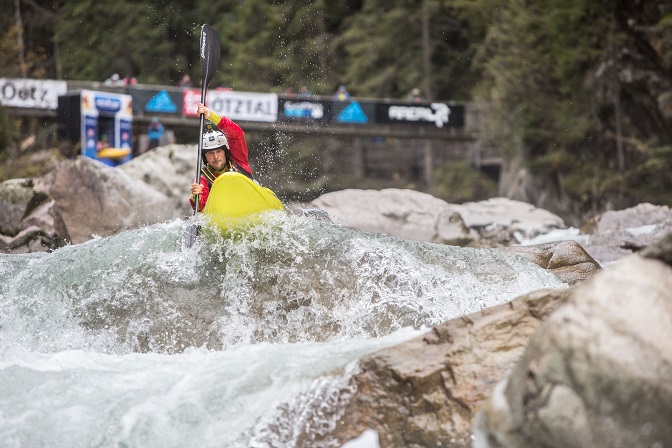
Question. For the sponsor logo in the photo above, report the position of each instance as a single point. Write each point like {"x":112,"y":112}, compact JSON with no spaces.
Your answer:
{"x":41,"y":94}
{"x":244,"y":105}
{"x":161,"y":102}
{"x":10,"y":91}
{"x":304,"y":109}
{"x":352,"y":114}
{"x":437,"y":113}
{"x":107,"y":104}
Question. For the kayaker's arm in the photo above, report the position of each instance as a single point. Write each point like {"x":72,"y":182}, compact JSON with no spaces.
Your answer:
{"x":234,"y":134}
{"x":208,"y":114}
{"x":201,"y":189}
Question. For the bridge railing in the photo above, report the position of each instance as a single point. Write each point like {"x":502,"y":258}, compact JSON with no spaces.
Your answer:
{"x":177,"y":106}
{"x":420,"y":136}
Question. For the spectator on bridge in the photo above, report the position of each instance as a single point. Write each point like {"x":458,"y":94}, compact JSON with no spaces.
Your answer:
{"x":341,"y":93}
{"x":185,"y":82}
{"x":129,"y":80}
{"x":154,"y":132}
{"x":415,"y":96}
{"x":304,"y":91}
{"x":113,"y":80}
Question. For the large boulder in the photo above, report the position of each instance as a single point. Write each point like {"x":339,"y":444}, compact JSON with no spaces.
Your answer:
{"x":521,"y":219}
{"x":615,"y":234}
{"x":427,"y":391}
{"x":95,"y":199}
{"x":644,"y":214}
{"x":404,"y":213}
{"x":170,"y":170}
{"x":597,"y":372}
{"x":16,"y":196}
{"x":589,"y":366}
{"x":419,"y":216}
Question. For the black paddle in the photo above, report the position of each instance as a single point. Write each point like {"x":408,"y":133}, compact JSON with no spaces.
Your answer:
{"x":210,"y":50}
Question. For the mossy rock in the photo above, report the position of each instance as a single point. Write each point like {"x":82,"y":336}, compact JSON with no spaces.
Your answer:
{"x":33,"y":164}
{"x":18,"y":200}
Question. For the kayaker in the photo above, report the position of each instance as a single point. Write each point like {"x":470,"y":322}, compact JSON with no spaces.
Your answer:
{"x":224,"y":149}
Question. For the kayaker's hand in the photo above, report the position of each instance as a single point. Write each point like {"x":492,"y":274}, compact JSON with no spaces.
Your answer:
{"x":203,"y":110}
{"x":196,"y":189}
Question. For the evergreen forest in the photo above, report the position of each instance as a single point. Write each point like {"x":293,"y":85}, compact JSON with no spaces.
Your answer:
{"x":579,"y":92}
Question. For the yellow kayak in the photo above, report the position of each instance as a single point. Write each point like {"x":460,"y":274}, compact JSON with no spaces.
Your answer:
{"x":113,"y":153}
{"x":234,"y":198}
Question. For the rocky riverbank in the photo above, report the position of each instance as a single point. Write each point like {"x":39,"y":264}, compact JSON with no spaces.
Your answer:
{"x":584,"y":366}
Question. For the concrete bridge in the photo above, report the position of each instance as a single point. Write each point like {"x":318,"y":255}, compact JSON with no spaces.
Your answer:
{"x":380,"y":137}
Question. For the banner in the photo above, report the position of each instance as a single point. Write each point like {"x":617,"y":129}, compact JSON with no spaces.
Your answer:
{"x":243,"y":106}
{"x":31,"y":93}
{"x":437,"y":114}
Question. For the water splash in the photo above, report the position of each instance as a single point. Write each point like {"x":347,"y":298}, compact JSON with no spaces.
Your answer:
{"x":248,"y":338}
{"x":283,"y":279}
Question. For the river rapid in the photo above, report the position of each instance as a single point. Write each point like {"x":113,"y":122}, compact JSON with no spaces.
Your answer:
{"x":247,"y":339}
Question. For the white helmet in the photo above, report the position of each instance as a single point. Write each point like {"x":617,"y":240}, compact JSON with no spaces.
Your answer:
{"x":214,"y":140}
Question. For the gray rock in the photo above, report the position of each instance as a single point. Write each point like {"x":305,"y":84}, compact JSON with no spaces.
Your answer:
{"x":597,"y":372}
{"x":16,"y":199}
{"x":30,"y":221}
{"x":644,"y":214}
{"x":426,"y":392}
{"x":95,"y":199}
{"x":616,"y":234}
{"x":170,"y":170}
{"x":419,"y":216}
{"x":517,"y":216}
{"x":662,"y":250}
{"x":404,"y":213}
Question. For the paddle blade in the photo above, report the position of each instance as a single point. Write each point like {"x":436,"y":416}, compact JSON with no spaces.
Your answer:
{"x":210,"y":50}
{"x":189,"y":236}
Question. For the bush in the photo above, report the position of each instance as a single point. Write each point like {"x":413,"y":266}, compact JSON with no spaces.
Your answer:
{"x":457,"y":182}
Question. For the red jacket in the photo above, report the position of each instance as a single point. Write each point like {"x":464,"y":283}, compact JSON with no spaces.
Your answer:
{"x":237,"y":143}
{"x":238,"y":150}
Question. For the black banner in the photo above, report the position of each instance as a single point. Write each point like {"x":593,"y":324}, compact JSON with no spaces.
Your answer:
{"x":434,"y":114}
{"x":353,"y":112}
{"x":156,"y":102}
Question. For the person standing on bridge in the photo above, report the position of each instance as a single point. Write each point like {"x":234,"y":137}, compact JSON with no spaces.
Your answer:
{"x":342,"y":93}
{"x":224,"y":149}
{"x":415,"y":96}
{"x":154,"y":133}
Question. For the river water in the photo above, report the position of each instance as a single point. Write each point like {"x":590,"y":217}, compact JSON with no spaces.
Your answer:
{"x":245,"y":340}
